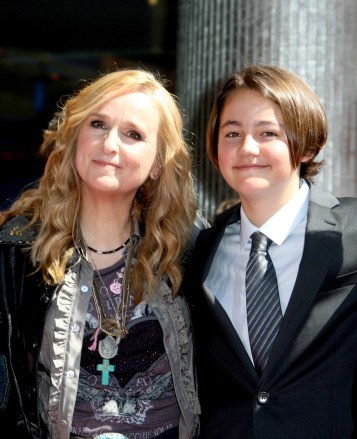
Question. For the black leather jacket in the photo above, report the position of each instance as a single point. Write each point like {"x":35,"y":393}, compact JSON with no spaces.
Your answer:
{"x":20,"y":328}
{"x":22,"y":319}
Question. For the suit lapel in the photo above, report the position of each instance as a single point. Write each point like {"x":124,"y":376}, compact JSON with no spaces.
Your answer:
{"x":317,"y":257}
{"x":209,"y":241}
{"x":211,"y":237}
{"x":224,"y":325}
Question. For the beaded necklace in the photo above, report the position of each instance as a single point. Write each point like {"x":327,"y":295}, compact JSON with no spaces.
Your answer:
{"x":108,"y":252}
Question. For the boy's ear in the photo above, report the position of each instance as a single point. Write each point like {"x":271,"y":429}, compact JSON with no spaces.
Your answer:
{"x":306,"y":158}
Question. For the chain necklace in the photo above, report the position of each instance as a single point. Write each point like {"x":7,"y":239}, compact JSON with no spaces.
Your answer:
{"x":115,"y":328}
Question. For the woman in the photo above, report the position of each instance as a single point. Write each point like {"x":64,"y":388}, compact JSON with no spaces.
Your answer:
{"x":96,"y":338}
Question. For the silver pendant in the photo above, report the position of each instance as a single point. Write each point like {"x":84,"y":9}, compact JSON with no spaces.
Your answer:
{"x":108,"y":347}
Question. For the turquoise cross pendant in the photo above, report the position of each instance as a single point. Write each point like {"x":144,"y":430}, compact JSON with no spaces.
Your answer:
{"x":105,"y":368}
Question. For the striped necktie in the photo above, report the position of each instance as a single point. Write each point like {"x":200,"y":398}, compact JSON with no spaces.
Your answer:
{"x":263,"y":303}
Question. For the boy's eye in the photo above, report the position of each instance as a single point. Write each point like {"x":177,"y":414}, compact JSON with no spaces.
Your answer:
{"x":233,"y":134}
{"x":269,"y":134}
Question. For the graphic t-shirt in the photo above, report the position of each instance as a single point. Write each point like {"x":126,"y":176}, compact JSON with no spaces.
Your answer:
{"x":131,"y":393}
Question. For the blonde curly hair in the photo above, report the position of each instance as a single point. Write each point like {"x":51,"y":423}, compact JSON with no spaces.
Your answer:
{"x":165,"y":207}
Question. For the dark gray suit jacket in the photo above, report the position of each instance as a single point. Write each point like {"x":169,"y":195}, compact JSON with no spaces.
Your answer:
{"x":308,"y":389}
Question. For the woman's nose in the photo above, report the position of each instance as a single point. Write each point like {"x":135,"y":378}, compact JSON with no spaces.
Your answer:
{"x":111,"y":142}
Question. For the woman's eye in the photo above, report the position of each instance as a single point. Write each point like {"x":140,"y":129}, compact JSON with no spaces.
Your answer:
{"x":134,"y":135}
{"x":98,"y":124}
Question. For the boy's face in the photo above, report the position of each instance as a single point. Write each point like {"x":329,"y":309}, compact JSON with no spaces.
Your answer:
{"x":253,"y":151}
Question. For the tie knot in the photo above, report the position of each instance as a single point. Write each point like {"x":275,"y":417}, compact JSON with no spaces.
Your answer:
{"x":260,"y":242}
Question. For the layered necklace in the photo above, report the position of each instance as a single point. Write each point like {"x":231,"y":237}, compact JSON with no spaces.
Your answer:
{"x":114,"y":327}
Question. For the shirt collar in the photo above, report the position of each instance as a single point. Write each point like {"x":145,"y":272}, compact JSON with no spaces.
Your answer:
{"x":281,"y":224}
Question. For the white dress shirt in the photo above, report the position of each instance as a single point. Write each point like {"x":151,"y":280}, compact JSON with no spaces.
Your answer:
{"x":226,"y":278}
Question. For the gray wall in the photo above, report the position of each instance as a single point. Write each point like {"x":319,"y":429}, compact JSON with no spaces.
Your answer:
{"x":317,"y":39}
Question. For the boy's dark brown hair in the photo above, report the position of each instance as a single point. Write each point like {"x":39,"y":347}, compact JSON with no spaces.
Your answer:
{"x":304,"y":116}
